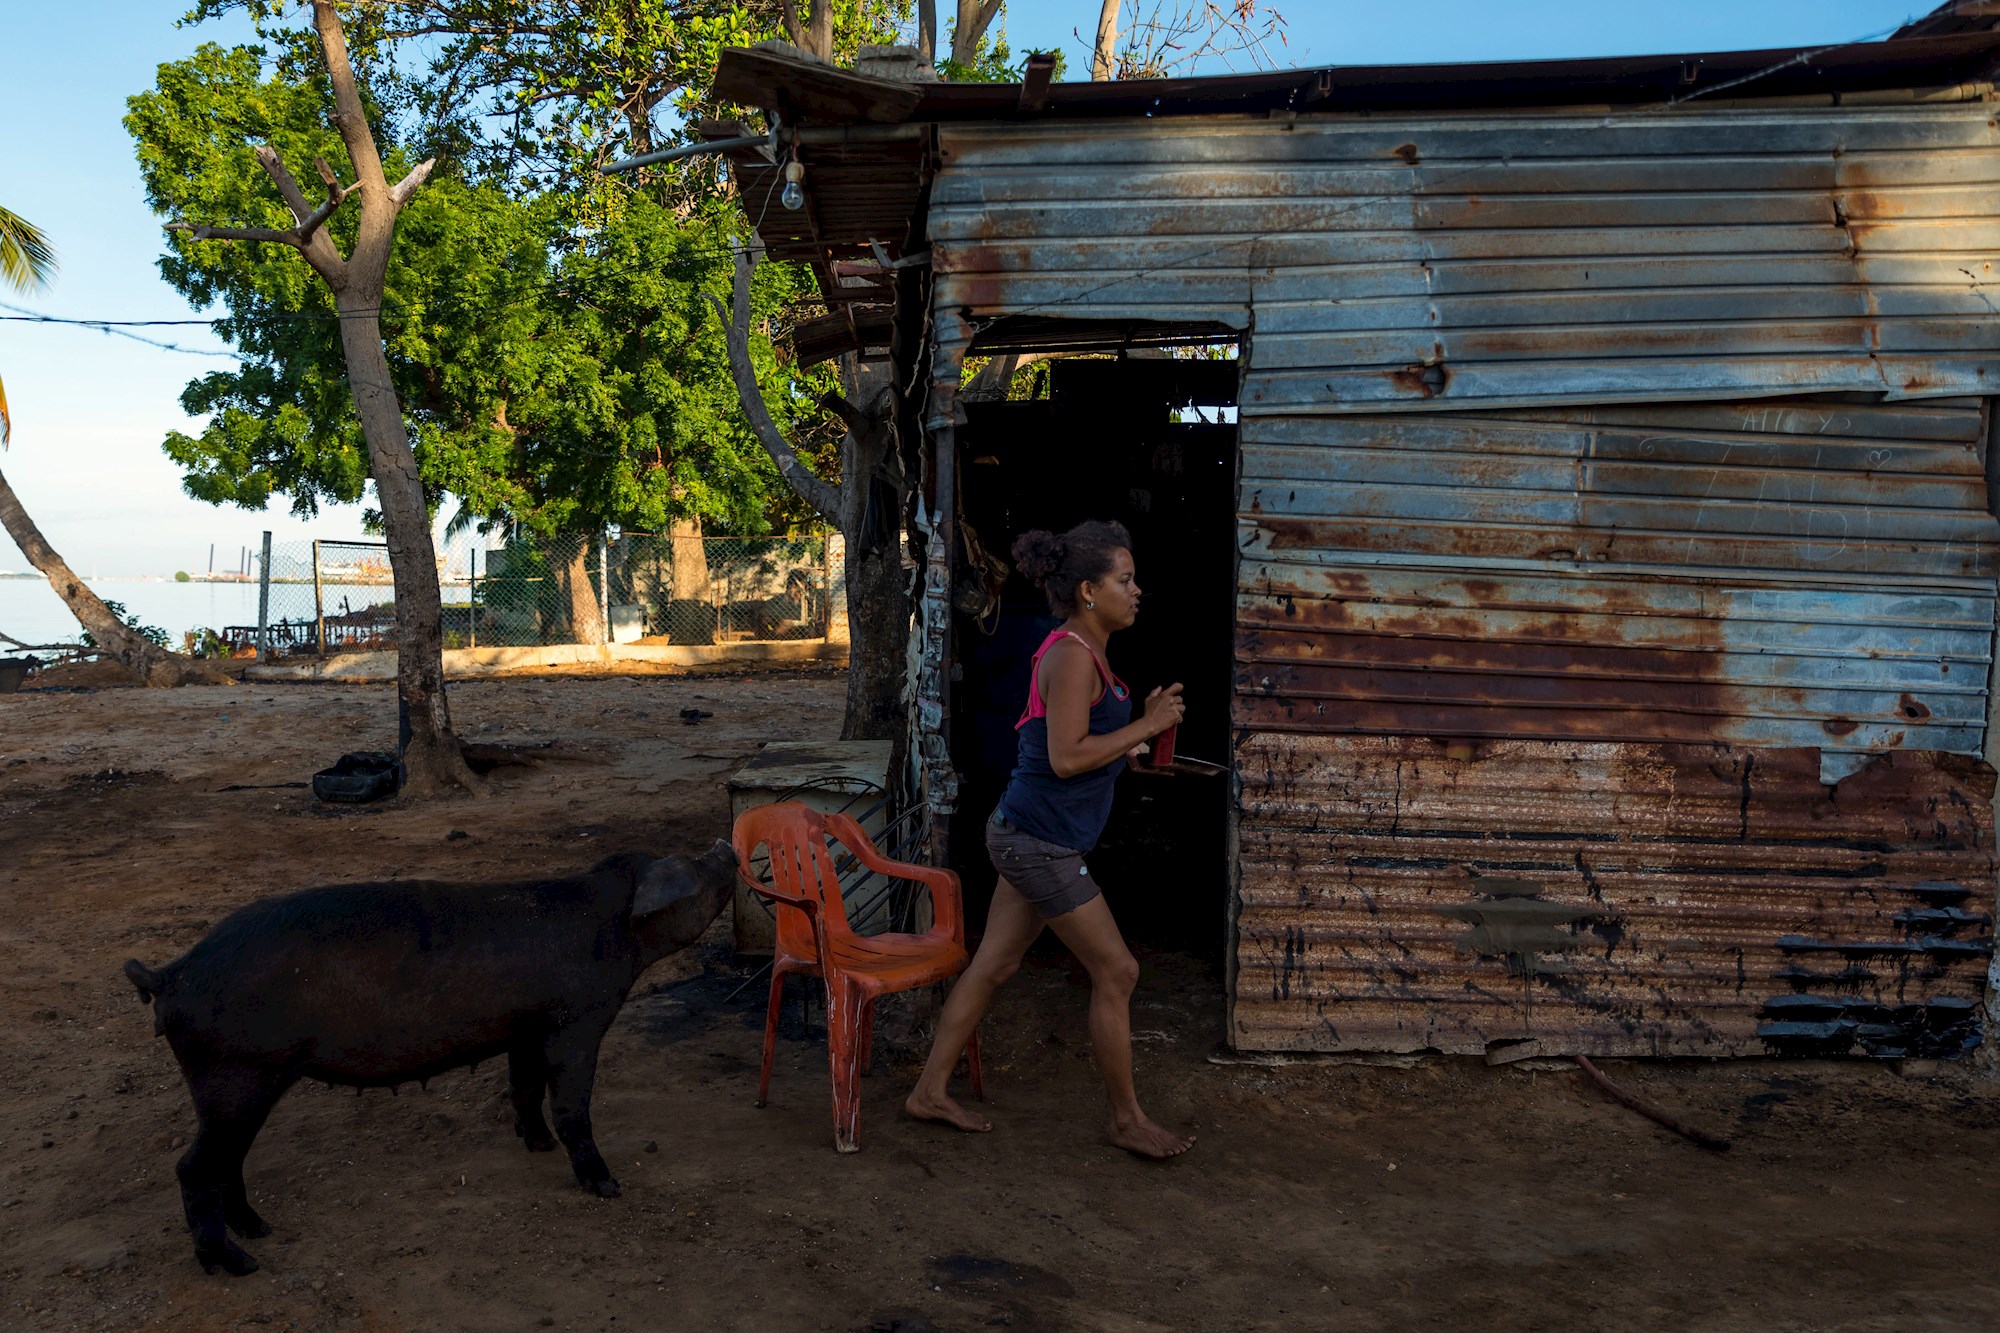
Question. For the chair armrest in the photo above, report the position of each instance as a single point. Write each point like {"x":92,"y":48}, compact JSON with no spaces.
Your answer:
{"x":947,"y":899}
{"x":778,"y":895}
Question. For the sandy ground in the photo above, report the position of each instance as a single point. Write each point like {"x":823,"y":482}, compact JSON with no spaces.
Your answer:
{"x":1322,"y":1195}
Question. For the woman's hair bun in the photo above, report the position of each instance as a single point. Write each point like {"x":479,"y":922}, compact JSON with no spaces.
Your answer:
{"x":1038,"y":554}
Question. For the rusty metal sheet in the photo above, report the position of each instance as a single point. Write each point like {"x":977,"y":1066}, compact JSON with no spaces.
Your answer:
{"x":1625,"y":729}
{"x":1478,"y":261}
{"x":1811,"y":488}
{"x":1772,"y":573}
{"x":1405,"y":893}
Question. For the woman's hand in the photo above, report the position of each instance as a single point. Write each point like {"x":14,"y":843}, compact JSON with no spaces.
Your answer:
{"x":1164,"y":708}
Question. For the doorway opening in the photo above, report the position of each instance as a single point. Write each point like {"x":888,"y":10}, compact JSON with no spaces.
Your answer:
{"x":1150,"y":441}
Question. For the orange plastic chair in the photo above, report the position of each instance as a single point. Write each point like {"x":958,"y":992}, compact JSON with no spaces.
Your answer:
{"x":814,"y":938}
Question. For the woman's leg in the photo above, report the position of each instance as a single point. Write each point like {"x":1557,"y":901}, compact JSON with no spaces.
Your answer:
{"x":1092,"y":935}
{"x":1011,"y":926}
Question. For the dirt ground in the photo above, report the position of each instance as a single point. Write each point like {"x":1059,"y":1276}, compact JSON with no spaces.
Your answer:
{"x":1440,"y":1194}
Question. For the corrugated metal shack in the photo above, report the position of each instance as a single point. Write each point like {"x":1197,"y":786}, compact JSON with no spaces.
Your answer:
{"x":1603,"y":544}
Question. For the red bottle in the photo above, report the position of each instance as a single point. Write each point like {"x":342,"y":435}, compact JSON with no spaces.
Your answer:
{"x":1163,"y":747}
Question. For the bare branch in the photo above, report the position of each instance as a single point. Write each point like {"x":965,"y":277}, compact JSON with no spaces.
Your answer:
{"x":295,"y":198}
{"x":858,"y":421}
{"x":206,"y":233}
{"x":300,"y":237}
{"x":812,"y":488}
{"x":335,"y":197}
{"x":404,"y":188}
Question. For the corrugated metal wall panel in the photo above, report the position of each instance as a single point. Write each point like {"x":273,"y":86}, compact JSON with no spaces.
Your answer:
{"x":1620,"y":651}
{"x":1494,"y":260}
{"x":1759,"y":574}
{"x":1403,"y":893}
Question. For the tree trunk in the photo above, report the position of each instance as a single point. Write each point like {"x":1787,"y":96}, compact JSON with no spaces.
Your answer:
{"x":1104,"y":54}
{"x":878,"y":628}
{"x":819,"y":29}
{"x":878,"y":623}
{"x":432,"y":760}
{"x":586,"y":625}
{"x":690,"y":560}
{"x":974,"y":18}
{"x":927,"y":29}
{"x":141,"y":656}
{"x":866,"y":507}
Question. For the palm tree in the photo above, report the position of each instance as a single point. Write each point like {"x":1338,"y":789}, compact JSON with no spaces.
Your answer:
{"x":27,"y":262}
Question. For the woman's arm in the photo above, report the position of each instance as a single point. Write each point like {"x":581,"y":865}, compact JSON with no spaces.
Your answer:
{"x":1069,"y":681}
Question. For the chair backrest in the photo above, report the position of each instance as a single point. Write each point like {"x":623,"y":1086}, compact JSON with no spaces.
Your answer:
{"x":802,"y":864}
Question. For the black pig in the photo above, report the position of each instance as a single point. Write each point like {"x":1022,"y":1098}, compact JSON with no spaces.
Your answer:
{"x":373,"y":985}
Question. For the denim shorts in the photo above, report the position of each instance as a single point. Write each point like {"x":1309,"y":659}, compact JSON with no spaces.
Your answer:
{"x":1052,"y":877}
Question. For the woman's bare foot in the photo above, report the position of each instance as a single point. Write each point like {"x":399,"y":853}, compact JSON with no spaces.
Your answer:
{"x":1143,"y":1137}
{"x":945,"y":1111}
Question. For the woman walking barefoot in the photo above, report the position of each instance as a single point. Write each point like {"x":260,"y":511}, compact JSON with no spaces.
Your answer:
{"x":1075,"y":736}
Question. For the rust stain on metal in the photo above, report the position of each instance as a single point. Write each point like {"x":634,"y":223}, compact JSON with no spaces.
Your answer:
{"x":1404,"y":893}
{"x":1408,"y":152}
{"x":1426,"y":379}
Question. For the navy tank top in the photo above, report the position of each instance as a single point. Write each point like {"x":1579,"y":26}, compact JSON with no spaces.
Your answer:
{"x":1069,"y":812}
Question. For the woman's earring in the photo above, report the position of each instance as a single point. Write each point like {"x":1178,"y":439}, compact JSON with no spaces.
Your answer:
{"x":1090,"y":606}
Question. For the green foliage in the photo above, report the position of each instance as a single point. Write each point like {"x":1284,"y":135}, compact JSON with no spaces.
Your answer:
{"x":556,"y":373}
{"x":151,"y":633}
{"x":204,"y":643}
{"x":182,"y":576}
{"x":27,"y":260}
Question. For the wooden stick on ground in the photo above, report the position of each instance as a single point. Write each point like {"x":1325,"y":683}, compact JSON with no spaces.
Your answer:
{"x":1658,"y":1117}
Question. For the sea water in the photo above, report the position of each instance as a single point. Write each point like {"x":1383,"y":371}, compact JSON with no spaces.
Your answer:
{"x":31,"y":612}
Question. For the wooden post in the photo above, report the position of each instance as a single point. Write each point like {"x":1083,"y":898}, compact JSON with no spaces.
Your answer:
{"x":319,"y":605}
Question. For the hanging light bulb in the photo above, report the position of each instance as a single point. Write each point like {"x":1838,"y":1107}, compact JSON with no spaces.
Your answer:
{"x":794,"y":196}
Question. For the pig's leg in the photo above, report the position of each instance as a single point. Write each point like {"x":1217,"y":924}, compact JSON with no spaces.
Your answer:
{"x":572,"y":1056}
{"x":528,"y":1079}
{"x":232,"y":1104}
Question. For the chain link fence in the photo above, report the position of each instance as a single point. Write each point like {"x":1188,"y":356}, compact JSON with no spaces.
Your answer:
{"x":325,"y":597}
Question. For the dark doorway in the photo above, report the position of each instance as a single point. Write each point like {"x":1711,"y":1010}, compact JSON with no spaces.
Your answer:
{"x":1150,"y":442}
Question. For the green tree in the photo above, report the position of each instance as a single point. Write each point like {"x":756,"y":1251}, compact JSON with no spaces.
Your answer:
{"x":27,"y":261}
{"x":556,"y":367}
{"x":550,"y":378}
{"x":346,"y":252}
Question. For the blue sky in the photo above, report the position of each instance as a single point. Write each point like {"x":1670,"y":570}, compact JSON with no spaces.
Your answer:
{"x":90,"y":410}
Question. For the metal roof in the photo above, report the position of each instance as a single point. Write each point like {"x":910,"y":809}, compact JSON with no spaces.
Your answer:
{"x":868,"y":144}
{"x":806,"y":91}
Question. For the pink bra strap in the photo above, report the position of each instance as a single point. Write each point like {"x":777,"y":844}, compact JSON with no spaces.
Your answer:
{"x":1036,"y":708}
